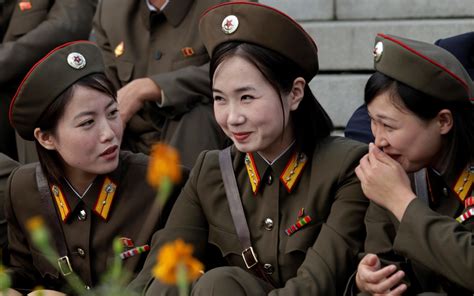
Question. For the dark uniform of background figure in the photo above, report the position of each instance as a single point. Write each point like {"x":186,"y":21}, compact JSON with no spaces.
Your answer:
{"x":165,"y":47}
{"x":29,"y":29}
{"x":87,"y":233}
{"x":461,"y":46}
{"x":6,"y":167}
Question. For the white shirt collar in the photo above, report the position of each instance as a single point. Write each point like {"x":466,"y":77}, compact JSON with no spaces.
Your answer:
{"x":153,"y":8}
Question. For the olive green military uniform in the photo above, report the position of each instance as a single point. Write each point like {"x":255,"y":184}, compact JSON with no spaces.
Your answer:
{"x":433,"y":242}
{"x":32,"y":29}
{"x":88,"y":231}
{"x":165,"y":47}
{"x":7,"y":165}
{"x":316,"y":259}
{"x":440,"y":262}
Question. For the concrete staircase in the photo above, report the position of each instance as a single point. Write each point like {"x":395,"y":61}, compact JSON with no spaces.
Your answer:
{"x":344,"y":31}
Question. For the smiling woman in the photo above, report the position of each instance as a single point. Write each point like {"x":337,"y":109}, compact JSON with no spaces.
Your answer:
{"x":419,"y":235}
{"x":293,"y":222}
{"x":87,"y":190}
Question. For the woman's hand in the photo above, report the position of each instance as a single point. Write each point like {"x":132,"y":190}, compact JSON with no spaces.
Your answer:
{"x":384,"y":181}
{"x":373,"y":279}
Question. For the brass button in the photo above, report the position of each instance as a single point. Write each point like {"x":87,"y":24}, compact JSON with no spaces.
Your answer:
{"x":81,"y":252}
{"x":268,"y":224}
{"x":82,"y":216}
{"x":268,"y":268}
{"x":87,"y":287}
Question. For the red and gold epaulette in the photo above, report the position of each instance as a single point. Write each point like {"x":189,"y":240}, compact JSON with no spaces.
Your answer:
{"x":105,"y":199}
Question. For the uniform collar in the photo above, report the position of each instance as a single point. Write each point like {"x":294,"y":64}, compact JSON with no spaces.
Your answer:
{"x":288,"y":167}
{"x":99,"y":198}
{"x":174,"y":11}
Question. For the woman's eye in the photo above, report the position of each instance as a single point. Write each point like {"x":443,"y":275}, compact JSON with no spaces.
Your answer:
{"x":246,"y":97}
{"x":218,"y":98}
{"x":87,"y":123}
{"x":113,"y":113}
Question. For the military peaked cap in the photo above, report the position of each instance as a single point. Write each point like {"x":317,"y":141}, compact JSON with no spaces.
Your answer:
{"x":48,"y":79}
{"x":261,"y":25}
{"x":423,"y":66}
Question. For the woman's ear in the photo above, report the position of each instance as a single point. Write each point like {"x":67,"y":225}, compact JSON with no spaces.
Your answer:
{"x":297,"y":93}
{"x":44,"y":138}
{"x":445,"y":121}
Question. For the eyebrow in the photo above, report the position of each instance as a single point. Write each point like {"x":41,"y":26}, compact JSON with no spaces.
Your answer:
{"x":85,"y":113}
{"x":238,"y":90}
{"x":380,"y":116}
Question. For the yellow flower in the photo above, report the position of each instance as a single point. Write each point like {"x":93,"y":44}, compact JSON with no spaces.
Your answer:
{"x":170,"y":257}
{"x":35,"y":223}
{"x":164,"y":164}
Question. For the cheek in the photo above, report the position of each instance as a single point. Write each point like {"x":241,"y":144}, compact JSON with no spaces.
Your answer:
{"x":221,"y":116}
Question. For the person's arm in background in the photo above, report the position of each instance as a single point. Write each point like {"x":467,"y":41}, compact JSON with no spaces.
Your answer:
{"x":7,"y":165}
{"x":33,"y":32}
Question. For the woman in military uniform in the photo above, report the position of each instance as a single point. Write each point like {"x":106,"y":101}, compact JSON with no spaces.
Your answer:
{"x":420,"y":239}
{"x":292,"y":224}
{"x":86,"y":190}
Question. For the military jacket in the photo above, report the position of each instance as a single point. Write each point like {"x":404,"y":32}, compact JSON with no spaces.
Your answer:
{"x":434,"y":249}
{"x":88,"y":225}
{"x":322,"y":189}
{"x":7,"y":165}
{"x":29,"y":30}
{"x":165,"y":47}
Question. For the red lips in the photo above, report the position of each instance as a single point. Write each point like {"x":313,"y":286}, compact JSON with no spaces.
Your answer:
{"x":109,"y":151}
{"x":240,"y":136}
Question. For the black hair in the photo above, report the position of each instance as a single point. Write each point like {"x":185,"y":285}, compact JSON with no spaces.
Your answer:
{"x":426,"y":107}
{"x":310,"y":121}
{"x":50,"y":160}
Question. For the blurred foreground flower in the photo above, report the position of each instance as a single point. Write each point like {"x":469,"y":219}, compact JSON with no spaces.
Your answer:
{"x":163,"y":170}
{"x":176,"y":265}
{"x":5,"y":281}
{"x":41,"y":240}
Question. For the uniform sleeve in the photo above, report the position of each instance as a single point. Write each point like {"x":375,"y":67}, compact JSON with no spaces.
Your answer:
{"x":21,"y":269}
{"x":105,"y":47}
{"x":185,"y":87}
{"x":438,"y":242}
{"x":67,"y":20}
{"x":186,"y":221}
{"x":333,"y":257}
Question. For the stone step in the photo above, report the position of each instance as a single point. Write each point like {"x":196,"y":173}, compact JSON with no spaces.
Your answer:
{"x":339,"y":95}
{"x":347,"y":45}
{"x":402,"y":9}
{"x":304,"y":10}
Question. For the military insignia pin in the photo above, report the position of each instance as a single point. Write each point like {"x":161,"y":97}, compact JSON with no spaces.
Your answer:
{"x":76,"y":60}
{"x":230,"y":24}
{"x":378,"y":50}
{"x":24,"y":5}
{"x":118,"y":51}
{"x":187,"y":52}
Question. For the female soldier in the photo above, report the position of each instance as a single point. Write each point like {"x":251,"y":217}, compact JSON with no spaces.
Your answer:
{"x":422,"y":117}
{"x":297,"y":224}
{"x":87,"y":191}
